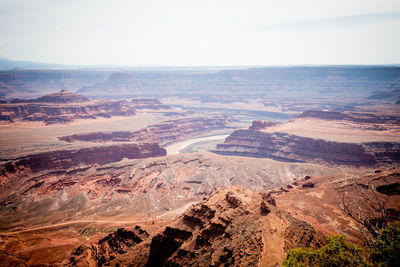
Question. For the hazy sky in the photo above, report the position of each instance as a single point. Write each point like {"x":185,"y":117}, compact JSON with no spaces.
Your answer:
{"x":201,"y":32}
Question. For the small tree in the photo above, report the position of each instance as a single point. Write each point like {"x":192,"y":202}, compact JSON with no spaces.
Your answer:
{"x":386,"y":249}
{"x":337,"y":252}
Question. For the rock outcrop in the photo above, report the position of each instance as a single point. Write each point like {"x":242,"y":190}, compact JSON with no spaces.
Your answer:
{"x":163,"y":133}
{"x":258,"y":125}
{"x":110,"y":247}
{"x":293,"y":148}
{"x":57,"y":113}
{"x":230,"y":228}
{"x":148,"y":103}
{"x":65,"y":159}
{"x":63,"y":96}
{"x":64,"y":107}
{"x":320,"y":200}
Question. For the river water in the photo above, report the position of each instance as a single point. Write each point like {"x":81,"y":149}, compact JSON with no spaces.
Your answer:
{"x":177,"y":147}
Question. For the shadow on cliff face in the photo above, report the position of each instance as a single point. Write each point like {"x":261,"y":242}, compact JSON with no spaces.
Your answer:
{"x":390,"y":189}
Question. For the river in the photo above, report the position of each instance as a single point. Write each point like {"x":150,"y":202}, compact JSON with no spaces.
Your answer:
{"x":177,"y":147}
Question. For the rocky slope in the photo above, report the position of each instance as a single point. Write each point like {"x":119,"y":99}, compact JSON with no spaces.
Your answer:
{"x":164,"y":133}
{"x":232,"y":227}
{"x":319,"y":200}
{"x":65,"y":107}
{"x":240,"y":227}
{"x":130,"y":189}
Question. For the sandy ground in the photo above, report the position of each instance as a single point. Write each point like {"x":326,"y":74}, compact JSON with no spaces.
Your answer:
{"x":338,"y":131}
{"x":24,"y":137}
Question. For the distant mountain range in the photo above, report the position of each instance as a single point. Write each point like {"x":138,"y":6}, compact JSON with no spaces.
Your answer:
{"x":8,"y":64}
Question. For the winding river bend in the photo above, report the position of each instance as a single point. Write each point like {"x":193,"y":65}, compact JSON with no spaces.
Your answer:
{"x":177,"y":147}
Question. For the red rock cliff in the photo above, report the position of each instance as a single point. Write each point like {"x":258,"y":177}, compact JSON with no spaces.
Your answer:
{"x":164,"y":133}
{"x":64,"y":159}
{"x":288,"y":147}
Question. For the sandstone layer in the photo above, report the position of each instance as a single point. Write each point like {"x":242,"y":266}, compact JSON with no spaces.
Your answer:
{"x":292,"y":148}
{"x":163,"y":133}
{"x":65,"y":159}
{"x":359,"y":117}
{"x":323,"y":137}
{"x":63,"y":96}
{"x":65,"y":107}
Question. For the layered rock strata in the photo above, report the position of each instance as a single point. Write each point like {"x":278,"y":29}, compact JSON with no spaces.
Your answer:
{"x":358,"y":117}
{"x":63,"y":96}
{"x":65,"y":159}
{"x":258,"y":125}
{"x":50,"y":113}
{"x":131,"y":188}
{"x":164,"y":133}
{"x":66,"y":107}
{"x":293,"y":148}
{"x":148,"y":103}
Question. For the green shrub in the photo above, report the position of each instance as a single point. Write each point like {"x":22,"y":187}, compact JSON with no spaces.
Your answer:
{"x":337,"y":252}
{"x":386,"y":249}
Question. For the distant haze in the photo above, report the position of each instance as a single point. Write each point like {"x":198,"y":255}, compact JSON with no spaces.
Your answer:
{"x":201,"y":33}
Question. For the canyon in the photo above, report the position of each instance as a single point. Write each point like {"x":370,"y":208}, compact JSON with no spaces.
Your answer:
{"x":208,"y":167}
{"x":301,"y":82}
{"x":276,"y":141}
{"x":165,"y":133}
{"x":128,"y":189}
{"x":231,"y":226}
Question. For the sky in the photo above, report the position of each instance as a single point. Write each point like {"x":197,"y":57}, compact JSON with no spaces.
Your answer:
{"x":201,"y":32}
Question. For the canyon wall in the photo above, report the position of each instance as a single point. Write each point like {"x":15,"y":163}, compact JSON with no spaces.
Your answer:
{"x":57,"y":113}
{"x":305,"y":82}
{"x":358,"y":117}
{"x":64,"y":159}
{"x":64,"y":107}
{"x":164,"y":133}
{"x":293,"y":148}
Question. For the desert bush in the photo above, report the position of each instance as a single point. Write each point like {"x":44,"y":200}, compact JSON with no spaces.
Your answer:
{"x":337,"y":252}
{"x":386,"y":249}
